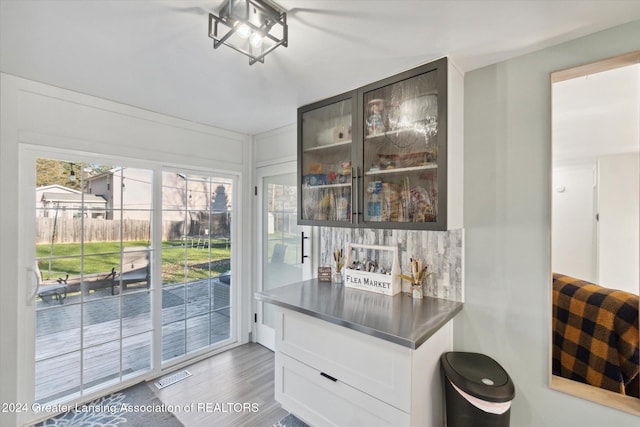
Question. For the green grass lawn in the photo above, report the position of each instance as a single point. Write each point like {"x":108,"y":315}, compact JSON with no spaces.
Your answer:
{"x":181,"y":260}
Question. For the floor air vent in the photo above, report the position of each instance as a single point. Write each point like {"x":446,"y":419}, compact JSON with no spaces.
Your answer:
{"x":172,"y":379}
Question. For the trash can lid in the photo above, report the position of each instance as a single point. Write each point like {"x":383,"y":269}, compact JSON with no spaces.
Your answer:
{"x":479,"y":375}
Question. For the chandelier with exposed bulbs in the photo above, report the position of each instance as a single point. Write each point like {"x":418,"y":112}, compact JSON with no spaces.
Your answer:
{"x":251,"y":27}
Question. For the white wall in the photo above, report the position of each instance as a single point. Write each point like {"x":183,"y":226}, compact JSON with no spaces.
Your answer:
{"x":50,"y":117}
{"x":507,"y":222}
{"x":276,"y":146}
{"x":618,"y":227}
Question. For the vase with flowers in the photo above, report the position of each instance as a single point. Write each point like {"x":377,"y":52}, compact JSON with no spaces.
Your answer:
{"x":338,"y":257}
{"x":418,"y":274}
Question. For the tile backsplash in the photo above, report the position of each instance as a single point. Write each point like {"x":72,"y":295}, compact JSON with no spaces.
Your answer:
{"x":441,"y":250}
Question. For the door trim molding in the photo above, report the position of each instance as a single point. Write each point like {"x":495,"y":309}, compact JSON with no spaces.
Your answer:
{"x":260,"y":174}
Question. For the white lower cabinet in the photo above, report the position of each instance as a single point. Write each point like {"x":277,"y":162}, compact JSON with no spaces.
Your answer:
{"x":322,"y":401}
{"x":330,"y":375}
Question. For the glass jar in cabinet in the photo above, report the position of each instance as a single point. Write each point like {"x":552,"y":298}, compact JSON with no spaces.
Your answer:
{"x":404,"y":149}
{"x":325,"y":161}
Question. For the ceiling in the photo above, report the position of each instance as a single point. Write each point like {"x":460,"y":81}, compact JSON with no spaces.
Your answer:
{"x":156,"y":55}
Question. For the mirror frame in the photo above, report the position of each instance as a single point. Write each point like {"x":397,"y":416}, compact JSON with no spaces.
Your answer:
{"x":578,"y":389}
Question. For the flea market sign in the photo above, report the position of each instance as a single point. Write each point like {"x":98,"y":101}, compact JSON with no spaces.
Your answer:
{"x":355,"y":280}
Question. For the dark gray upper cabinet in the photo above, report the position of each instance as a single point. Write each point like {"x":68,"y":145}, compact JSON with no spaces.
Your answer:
{"x":327,"y":136}
{"x":380,"y":156}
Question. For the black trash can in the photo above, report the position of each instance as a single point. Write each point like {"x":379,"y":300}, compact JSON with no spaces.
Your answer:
{"x":478,"y":391}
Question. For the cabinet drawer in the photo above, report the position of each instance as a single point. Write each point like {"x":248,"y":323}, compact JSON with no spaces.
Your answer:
{"x":377,"y":367}
{"x":321,"y":401}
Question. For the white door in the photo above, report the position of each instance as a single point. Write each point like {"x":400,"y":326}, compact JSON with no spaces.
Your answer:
{"x":574,"y":222}
{"x":284,"y":251}
{"x":618,"y":224}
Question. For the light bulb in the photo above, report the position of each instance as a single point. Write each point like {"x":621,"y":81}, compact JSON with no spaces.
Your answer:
{"x":256,"y":40}
{"x":243,"y":30}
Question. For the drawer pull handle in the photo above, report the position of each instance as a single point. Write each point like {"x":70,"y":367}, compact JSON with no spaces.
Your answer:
{"x":329,"y":377}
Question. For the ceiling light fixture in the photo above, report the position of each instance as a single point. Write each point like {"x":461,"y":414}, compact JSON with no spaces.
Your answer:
{"x":251,"y":27}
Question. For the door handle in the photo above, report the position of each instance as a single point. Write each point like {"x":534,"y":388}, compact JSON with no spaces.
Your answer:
{"x":329,"y":377}
{"x":32,"y":278}
{"x":302,"y":245}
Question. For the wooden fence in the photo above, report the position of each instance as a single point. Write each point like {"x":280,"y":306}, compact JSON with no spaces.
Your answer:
{"x":104,"y":230}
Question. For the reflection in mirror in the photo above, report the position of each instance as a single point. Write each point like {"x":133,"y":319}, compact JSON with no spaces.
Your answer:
{"x":595,"y":195}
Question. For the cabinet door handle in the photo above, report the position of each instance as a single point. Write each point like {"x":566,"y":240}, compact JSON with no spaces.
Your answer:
{"x":302,"y":246}
{"x":355,"y":211}
{"x":329,"y":377}
{"x":353,"y":187}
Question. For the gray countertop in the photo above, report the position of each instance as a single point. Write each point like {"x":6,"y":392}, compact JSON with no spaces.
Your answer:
{"x":399,"y":319}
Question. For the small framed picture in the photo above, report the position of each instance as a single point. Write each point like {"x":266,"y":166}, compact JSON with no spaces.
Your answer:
{"x":324,"y":274}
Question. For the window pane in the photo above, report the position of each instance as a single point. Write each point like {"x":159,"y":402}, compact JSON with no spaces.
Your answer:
{"x":57,"y":377}
{"x":173,"y":303}
{"x":135,"y":271}
{"x":101,"y":321}
{"x":136,"y":313}
{"x":173,"y":340}
{"x":136,"y":353}
{"x":101,"y":363}
{"x":134,"y":192}
{"x":198,"y":193}
{"x":220,"y":317}
{"x":198,"y":299}
{"x":57,"y":330}
{"x":99,"y":270}
{"x":197,"y":332}
{"x":198,"y":261}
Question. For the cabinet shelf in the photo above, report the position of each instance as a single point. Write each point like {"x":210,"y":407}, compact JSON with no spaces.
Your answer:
{"x":320,"y":187}
{"x":412,"y":132}
{"x":328,"y":146}
{"x":402,"y":170}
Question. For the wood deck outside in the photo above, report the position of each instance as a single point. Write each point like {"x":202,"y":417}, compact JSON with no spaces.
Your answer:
{"x":194,"y":315}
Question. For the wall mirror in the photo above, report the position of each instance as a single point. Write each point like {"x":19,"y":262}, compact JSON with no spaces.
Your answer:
{"x":595,"y":231}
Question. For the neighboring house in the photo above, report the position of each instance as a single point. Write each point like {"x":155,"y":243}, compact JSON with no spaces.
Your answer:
{"x":54,"y":188}
{"x":125,"y":189}
{"x":62,"y":202}
{"x":129,"y":190}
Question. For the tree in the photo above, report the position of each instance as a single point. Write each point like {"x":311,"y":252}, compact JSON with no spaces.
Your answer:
{"x":220,"y":201}
{"x":51,"y":172}
{"x":95,"y":169}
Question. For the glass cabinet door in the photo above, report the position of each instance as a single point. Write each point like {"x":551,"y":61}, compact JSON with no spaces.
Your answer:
{"x":325,"y":161}
{"x":402,"y":156}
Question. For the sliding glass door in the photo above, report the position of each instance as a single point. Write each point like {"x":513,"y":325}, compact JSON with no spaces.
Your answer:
{"x":111,"y":242}
{"x":93,"y":301}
